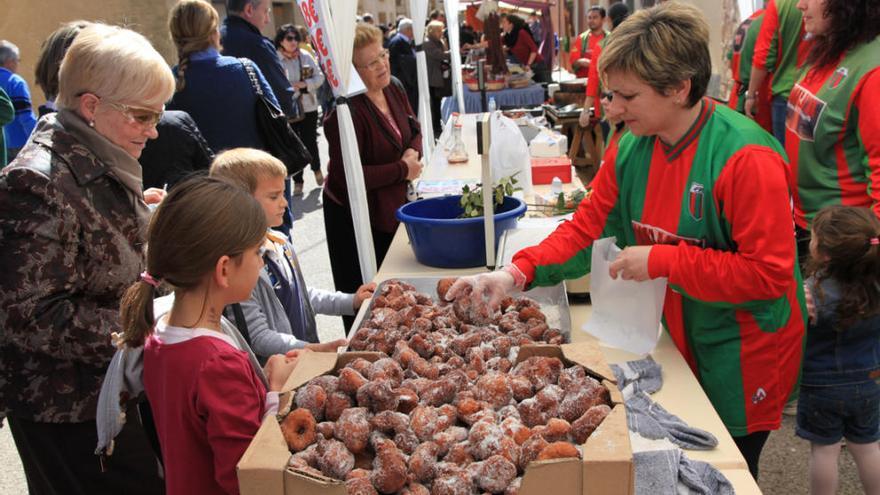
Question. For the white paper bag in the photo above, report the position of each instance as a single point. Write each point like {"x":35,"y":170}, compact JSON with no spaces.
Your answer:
{"x":626,"y":314}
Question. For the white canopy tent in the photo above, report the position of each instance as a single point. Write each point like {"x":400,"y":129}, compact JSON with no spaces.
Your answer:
{"x":419,"y":11}
{"x":451,"y":7}
{"x":332,"y":32}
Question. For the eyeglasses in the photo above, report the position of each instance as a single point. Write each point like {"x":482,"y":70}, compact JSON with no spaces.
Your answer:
{"x":143,"y":117}
{"x":607,"y":95}
{"x":378,"y":63}
{"x":290,"y":37}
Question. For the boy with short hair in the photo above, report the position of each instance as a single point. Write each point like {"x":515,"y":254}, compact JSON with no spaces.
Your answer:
{"x":280,"y":315}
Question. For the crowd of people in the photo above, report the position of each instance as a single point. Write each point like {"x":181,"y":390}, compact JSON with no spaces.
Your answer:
{"x":730,"y":203}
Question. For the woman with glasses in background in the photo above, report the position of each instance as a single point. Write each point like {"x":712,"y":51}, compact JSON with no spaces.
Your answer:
{"x":305,"y":77}
{"x":389,"y":142}
{"x":72,"y":216}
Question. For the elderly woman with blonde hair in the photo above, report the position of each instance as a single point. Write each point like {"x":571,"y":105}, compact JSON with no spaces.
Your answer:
{"x":439,"y":80}
{"x":698,"y":194}
{"x":72,"y":216}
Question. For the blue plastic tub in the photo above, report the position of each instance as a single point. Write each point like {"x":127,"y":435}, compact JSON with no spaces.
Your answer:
{"x":442,"y":240}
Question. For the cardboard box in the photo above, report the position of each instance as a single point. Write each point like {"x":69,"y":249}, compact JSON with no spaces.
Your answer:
{"x":606,"y":468}
{"x":544,"y":169}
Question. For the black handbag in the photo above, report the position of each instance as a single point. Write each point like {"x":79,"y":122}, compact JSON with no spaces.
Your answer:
{"x":281,"y":140}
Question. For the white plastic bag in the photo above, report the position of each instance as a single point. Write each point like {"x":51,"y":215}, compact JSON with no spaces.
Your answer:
{"x":509,"y":153}
{"x":626,"y":314}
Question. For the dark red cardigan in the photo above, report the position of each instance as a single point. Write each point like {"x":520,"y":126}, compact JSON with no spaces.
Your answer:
{"x":380,"y":151}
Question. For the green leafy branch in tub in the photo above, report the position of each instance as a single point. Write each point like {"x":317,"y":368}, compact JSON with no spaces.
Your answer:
{"x":472,"y":199}
{"x":569,"y":204}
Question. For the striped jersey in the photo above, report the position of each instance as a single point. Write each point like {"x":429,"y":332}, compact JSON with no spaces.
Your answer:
{"x":780,"y":47}
{"x":833,"y":134}
{"x":715,"y":207}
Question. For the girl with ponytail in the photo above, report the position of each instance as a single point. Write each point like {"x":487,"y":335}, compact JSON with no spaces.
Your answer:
{"x":207,"y":395}
{"x":840,"y":395}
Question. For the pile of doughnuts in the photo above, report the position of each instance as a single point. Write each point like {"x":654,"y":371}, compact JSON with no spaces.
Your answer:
{"x":448,"y":412}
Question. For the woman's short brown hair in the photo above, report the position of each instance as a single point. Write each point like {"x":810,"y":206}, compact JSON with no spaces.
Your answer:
{"x":114,"y":63}
{"x":663,"y":46}
{"x":52,"y":53}
{"x":366,"y":34}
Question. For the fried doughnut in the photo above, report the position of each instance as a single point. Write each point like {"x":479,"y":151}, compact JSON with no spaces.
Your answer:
{"x":450,"y":436}
{"x":415,"y":489}
{"x":423,"y":462}
{"x":312,"y":397}
{"x":353,"y":428}
{"x":495,"y":473}
{"x":389,"y":469}
{"x":423,"y":421}
{"x":307,"y":457}
{"x":485,"y":439}
{"x":298,"y":429}
{"x":459,"y":453}
{"x":530,"y":450}
{"x":514,"y":429}
{"x":364,"y":460}
{"x":549,"y":398}
{"x":513,"y":487}
{"x":521,"y":387}
{"x":408,"y":399}
{"x":404,"y":354}
{"x":390,"y":421}
{"x":443,"y":286}
{"x":360,"y":365}
{"x":326,"y":429}
{"x":572,"y":378}
{"x":531,"y":413}
{"x":540,"y":370}
{"x":360,"y":486}
{"x":454,"y":483}
{"x":439,"y":392}
{"x":424,"y":368}
{"x":584,"y":426}
{"x":386,"y":369}
{"x":422,"y":345}
{"x":556,"y":430}
{"x":508,"y":412}
{"x":495,"y":389}
{"x":336,"y":403}
{"x":377,"y":396}
{"x":350,"y":380}
{"x":357,"y":473}
{"x":406,"y":440}
{"x":531,"y":312}
{"x":559,"y":450}
{"x":329,"y":383}
{"x":334,"y":460}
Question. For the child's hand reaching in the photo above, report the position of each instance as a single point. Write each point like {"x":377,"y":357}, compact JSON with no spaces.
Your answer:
{"x":363,"y":293}
{"x":331,"y":346}
{"x":278,"y":369}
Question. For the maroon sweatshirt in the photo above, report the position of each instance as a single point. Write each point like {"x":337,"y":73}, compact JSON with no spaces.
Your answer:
{"x":381,"y":147}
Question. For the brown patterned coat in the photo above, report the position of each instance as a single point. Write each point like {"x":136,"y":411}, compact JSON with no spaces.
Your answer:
{"x":70,"y":243}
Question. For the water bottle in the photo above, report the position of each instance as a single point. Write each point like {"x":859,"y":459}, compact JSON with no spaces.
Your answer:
{"x":556,"y":186}
{"x":492,"y":105}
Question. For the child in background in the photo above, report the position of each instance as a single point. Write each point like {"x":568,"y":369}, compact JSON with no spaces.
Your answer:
{"x":840,"y":395}
{"x":207,"y":396}
{"x":280,"y":314}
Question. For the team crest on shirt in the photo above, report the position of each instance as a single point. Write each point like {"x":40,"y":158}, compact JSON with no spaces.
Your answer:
{"x":838,"y":77}
{"x":647,"y":235}
{"x":695,"y":201}
{"x":759,"y":395}
{"x":803,"y":112}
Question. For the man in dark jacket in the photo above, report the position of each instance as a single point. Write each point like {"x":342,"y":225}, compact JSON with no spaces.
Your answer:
{"x":403,"y":62}
{"x":240,"y":36}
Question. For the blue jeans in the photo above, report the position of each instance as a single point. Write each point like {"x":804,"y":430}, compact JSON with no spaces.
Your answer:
{"x":780,"y":106}
{"x":827,"y":414}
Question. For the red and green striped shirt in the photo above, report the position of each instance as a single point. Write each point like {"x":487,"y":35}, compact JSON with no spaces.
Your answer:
{"x":716,"y":208}
{"x":741,"y":55}
{"x":833,"y":134}
{"x":780,"y":47}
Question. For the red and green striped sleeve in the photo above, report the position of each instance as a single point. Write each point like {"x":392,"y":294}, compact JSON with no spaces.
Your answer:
{"x":565,"y":253}
{"x":751,"y":193}
{"x":767,"y":38}
{"x":867,"y":102}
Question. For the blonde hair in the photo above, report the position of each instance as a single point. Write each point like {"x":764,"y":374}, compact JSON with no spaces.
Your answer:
{"x":193,"y":24}
{"x":201,"y":220}
{"x":435,"y":26}
{"x":663,"y":46}
{"x":246,"y":166}
{"x":366,"y":34}
{"x":114,"y":63}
